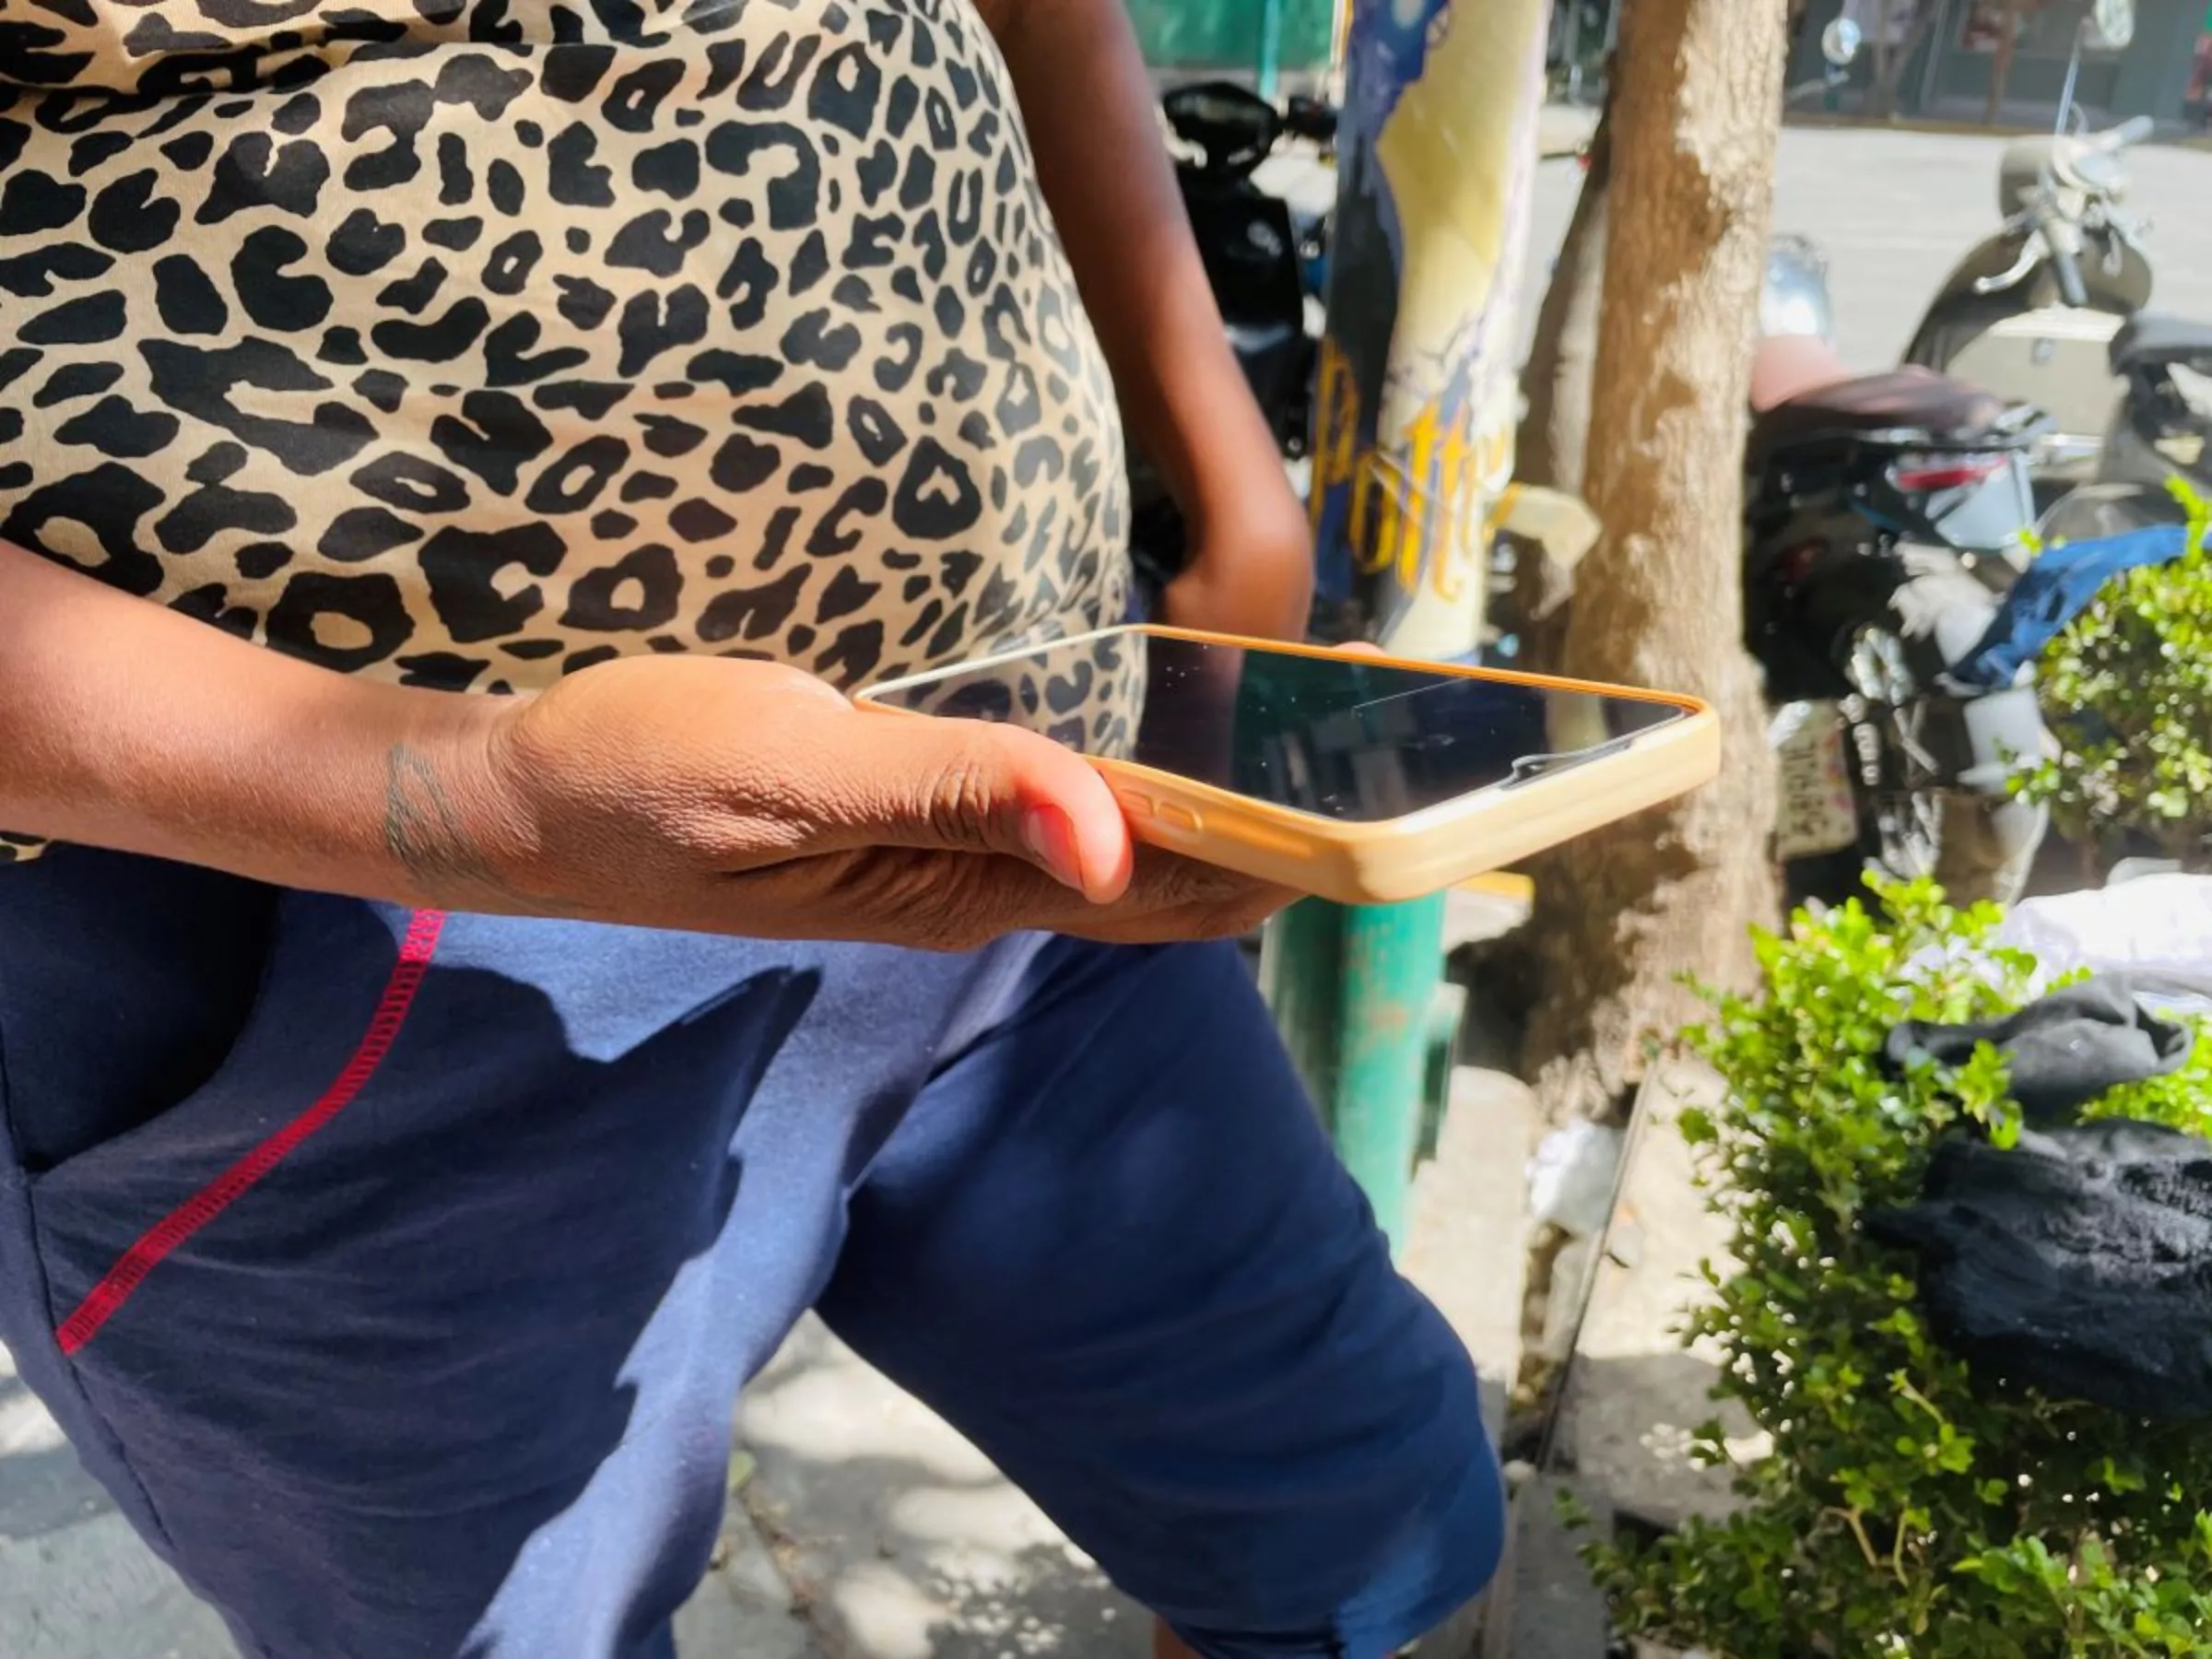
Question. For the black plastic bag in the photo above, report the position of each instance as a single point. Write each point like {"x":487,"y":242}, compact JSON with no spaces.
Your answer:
{"x":2080,"y":1261}
{"x":2064,"y":1050}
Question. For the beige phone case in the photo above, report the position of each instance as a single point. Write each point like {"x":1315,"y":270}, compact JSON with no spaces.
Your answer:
{"x":1391,"y":859}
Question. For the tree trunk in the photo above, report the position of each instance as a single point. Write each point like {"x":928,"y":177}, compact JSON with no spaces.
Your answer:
{"x":1622,"y":914}
{"x":1558,"y":380}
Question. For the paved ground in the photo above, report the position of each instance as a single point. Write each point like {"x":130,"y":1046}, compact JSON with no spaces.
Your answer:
{"x":865,"y":1529}
{"x":1894,"y":211}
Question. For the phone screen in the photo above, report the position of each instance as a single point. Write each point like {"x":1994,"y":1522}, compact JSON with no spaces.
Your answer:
{"x":1335,"y":737}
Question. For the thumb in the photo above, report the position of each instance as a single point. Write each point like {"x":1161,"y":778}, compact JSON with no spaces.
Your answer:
{"x":958,"y":785}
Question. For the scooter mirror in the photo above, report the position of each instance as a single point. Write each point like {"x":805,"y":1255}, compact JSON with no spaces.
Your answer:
{"x":2110,"y":25}
{"x":1841,"y":41}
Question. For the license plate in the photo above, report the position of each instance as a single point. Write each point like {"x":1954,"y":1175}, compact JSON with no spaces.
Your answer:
{"x":1816,"y":812}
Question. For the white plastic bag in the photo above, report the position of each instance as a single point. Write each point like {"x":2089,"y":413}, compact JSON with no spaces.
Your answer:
{"x":2157,"y":923}
{"x":1571,"y":1178}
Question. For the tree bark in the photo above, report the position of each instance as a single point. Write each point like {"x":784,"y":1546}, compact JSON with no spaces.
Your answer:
{"x":1621,"y":915}
{"x":1558,"y":380}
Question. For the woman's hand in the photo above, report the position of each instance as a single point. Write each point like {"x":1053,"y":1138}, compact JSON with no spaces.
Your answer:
{"x":671,"y":791}
{"x":739,"y":797}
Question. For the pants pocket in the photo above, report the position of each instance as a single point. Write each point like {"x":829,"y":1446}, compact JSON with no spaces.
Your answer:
{"x":125,"y":985}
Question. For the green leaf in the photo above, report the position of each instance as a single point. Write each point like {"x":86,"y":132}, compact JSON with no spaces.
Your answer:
{"x":2127,"y":688}
{"x":1906,"y":1512}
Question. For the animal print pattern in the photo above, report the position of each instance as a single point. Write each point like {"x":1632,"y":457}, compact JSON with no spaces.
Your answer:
{"x":1088,"y":695}
{"x":468,"y":343}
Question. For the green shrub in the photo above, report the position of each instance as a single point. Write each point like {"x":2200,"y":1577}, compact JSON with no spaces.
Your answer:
{"x":1903,"y":1510}
{"x":2128,"y":686}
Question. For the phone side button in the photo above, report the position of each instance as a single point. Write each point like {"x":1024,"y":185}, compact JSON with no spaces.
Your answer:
{"x":1181,"y":818}
{"x":1135,"y":805}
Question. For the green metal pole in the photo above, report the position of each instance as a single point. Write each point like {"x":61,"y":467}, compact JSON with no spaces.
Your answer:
{"x":1355,"y":989}
{"x":1271,"y":47}
{"x":1413,"y":432}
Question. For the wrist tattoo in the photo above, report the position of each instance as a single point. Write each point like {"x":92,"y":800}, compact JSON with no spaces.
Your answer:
{"x":426,"y":834}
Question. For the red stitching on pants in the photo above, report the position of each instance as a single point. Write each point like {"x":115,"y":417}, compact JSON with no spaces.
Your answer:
{"x":101,"y":1302}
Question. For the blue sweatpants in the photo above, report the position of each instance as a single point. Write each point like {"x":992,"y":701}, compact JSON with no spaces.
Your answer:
{"x":396,"y":1272}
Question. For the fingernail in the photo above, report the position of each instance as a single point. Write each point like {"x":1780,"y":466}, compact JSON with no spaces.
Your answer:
{"x":1050,"y":836}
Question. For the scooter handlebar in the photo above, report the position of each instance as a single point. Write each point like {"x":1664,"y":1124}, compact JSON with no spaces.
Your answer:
{"x":2133,"y":131}
{"x":2068,"y":268}
{"x":2060,"y":244}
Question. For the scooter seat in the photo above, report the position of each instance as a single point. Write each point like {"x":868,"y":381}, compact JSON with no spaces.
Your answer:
{"x":1912,"y":397}
{"x":2157,"y":342}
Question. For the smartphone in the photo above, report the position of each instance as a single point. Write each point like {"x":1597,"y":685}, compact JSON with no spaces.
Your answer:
{"x":1363,"y":779}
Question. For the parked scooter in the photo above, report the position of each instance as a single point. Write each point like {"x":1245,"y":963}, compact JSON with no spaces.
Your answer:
{"x":1885,"y":514}
{"x":2093,"y":536}
{"x":2032,"y":312}
{"x":2160,"y":427}
{"x":1261,"y":261}
{"x":1248,"y":239}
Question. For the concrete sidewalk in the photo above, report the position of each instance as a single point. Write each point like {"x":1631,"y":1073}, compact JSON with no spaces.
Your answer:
{"x":77,"y":1583}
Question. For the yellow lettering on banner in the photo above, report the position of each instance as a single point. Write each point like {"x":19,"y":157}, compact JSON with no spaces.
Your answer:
{"x":1357,"y":529}
{"x":1417,"y":524}
{"x":1432,"y":496}
{"x":1336,"y":428}
{"x":1385,"y":499}
{"x":1447,"y":578}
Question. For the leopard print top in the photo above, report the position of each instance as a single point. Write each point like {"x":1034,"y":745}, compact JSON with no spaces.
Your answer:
{"x":471,"y":342}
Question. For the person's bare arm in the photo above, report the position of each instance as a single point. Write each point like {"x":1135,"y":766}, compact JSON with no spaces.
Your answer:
{"x":125,"y":725}
{"x":1088,"y":104}
{"x":669,"y":792}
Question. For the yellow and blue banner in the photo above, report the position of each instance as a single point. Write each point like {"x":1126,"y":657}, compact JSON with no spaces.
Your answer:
{"x":1416,"y":398}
